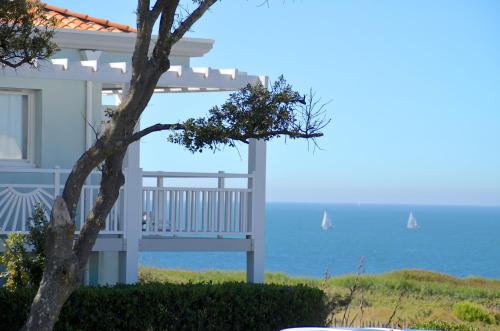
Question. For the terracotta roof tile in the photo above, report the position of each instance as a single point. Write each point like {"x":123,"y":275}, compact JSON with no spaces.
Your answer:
{"x":68,"y":19}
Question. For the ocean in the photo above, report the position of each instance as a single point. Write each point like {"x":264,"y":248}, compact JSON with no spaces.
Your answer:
{"x":457,"y":240}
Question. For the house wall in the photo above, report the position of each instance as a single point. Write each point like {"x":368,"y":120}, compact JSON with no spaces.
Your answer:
{"x":59,"y":118}
{"x":59,"y":139}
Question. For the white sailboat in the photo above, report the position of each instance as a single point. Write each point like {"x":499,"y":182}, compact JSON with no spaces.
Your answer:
{"x":326,"y":223}
{"x":412,"y":222}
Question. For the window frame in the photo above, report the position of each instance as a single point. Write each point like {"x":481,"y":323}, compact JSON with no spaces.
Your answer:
{"x":30,"y":135}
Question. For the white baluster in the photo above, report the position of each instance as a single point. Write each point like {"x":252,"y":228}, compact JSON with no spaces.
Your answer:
{"x":204,"y":212}
{"x":196,"y":210}
{"x":172,"y":209}
{"x":220,"y":198}
{"x":187,"y":210}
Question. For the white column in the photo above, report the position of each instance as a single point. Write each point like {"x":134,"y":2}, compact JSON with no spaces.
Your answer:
{"x":133,"y":224}
{"x":129,"y":259}
{"x":89,"y":121}
{"x":89,"y":86}
{"x":257,"y":167}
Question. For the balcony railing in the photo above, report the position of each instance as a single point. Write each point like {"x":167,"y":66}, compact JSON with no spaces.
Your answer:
{"x":209,"y":210}
{"x":21,"y":189}
{"x":170,"y":207}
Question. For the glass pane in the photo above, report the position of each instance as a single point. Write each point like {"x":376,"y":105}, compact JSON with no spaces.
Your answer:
{"x":13,"y":126}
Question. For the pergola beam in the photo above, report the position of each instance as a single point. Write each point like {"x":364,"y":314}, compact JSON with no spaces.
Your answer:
{"x":114,"y":75}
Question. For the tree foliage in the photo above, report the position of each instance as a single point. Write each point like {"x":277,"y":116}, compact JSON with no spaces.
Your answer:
{"x":24,"y":255}
{"x":254,"y":112}
{"x":25,"y":33}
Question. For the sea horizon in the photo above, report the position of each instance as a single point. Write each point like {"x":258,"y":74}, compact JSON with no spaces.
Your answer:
{"x":423,"y":204}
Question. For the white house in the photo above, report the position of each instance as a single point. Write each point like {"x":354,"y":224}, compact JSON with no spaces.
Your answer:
{"x":47,"y":118}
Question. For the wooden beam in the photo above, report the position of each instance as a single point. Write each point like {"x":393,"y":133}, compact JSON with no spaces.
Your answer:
{"x":194,"y":245}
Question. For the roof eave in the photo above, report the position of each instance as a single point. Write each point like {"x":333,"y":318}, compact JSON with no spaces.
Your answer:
{"x":124,"y":42}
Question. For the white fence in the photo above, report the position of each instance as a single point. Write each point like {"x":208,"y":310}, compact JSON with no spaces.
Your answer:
{"x":171,"y":210}
{"x":21,"y":189}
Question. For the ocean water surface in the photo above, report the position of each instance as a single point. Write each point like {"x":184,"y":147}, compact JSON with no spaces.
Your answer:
{"x":457,"y":240}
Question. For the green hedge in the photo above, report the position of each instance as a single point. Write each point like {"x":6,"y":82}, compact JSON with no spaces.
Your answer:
{"x":227,"y":306}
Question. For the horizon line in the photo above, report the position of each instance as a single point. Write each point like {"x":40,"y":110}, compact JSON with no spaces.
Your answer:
{"x":389,"y":204}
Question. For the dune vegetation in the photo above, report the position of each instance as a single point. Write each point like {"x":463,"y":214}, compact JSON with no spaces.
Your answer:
{"x":403,"y":297}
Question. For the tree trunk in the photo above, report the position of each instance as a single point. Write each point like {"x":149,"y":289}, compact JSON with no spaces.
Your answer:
{"x":65,"y":260}
{"x":61,"y":275}
{"x":51,"y":296}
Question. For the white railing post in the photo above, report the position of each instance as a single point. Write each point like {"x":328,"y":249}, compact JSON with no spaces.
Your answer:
{"x":256,"y":212}
{"x":220,"y":180}
{"x":220,"y":202}
{"x":157,"y":205}
{"x":159,"y":181}
{"x":57,"y":181}
{"x":133,"y":224}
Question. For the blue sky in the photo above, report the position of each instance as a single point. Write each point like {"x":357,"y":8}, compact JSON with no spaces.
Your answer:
{"x":414,"y":89}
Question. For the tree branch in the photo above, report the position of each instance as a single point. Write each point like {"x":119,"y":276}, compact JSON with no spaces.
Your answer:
{"x":145,"y":23}
{"x":234,"y":136}
{"x":164,"y":42}
{"x":154,"y":128}
{"x":112,"y":180}
{"x":186,"y":24}
{"x":158,"y":8}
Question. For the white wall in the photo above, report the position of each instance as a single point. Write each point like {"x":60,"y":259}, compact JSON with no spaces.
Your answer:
{"x":59,"y":118}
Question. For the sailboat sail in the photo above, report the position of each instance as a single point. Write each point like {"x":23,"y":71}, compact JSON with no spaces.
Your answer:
{"x":412,"y":222}
{"x":326,"y":223}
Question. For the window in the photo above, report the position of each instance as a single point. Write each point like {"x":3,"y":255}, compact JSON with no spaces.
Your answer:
{"x":15,"y":124}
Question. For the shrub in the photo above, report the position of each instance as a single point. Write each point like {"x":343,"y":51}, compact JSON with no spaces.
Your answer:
{"x":226,"y":306}
{"x":15,"y":259}
{"x":24,"y":254}
{"x":472,"y":312}
{"x":444,"y":326}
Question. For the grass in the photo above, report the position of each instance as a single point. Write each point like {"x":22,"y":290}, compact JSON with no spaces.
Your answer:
{"x":420,"y":295}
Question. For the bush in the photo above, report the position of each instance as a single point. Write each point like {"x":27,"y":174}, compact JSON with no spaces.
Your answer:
{"x":444,"y":326}
{"x":227,"y":306}
{"x":472,"y":312}
{"x":24,"y":255}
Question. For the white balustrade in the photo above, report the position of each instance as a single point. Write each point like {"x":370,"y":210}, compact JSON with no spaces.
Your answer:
{"x":18,"y":199}
{"x":170,"y":210}
{"x":167,"y":209}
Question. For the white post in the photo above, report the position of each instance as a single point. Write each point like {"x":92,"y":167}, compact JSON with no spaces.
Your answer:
{"x":133,"y":222}
{"x":89,"y":121}
{"x":220,"y":202}
{"x":159,"y":181}
{"x":257,"y":167}
{"x":133,"y":210}
{"x":57,"y":182}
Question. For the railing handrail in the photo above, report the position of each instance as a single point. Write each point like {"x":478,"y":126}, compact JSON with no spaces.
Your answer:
{"x":146,"y":174}
{"x":207,"y":189}
{"x":154,"y":174}
{"x":39,"y":170}
{"x":33,"y":170}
